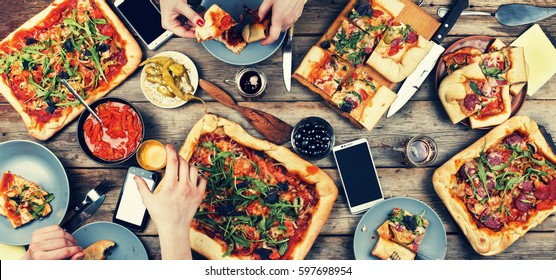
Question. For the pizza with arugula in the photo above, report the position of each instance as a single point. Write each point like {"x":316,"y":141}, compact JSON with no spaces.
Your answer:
{"x":262,"y":201}
{"x":81,"y":41}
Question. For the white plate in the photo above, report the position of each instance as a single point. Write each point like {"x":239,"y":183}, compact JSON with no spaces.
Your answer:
{"x":159,"y":100}
{"x":433,"y":245}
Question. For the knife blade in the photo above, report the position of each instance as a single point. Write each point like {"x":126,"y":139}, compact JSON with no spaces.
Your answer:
{"x":415,"y":80}
{"x":72,"y":224}
{"x":287,"y":59}
{"x":548,"y":138}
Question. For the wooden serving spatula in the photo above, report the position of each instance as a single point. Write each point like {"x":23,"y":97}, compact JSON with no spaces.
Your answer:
{"x":271,"y":127}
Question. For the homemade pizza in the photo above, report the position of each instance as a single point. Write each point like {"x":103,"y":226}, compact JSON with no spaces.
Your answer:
{"x":467,"y":93}
{"x":23,"y":201}
{"x":501,"y":186}
{"x":351,"y":43}
{"x":399,"y":52}
{"x":81,"y":41}
{"x":404,"y":229}
{"x":262,"y":201}
{"x":323,"y":70}
{"x":363,"y":99}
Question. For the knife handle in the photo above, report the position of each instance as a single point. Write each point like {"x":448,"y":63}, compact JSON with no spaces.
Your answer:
{"x":218,"y":94}
{"x":290,"y":33}
{"x":450,"y":20}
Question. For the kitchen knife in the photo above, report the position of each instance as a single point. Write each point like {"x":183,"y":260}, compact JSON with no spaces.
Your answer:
{"x":72,"y":224}
{"x":414,"y":81}
{"x":287,"y":59}
{"x":512,"y":14}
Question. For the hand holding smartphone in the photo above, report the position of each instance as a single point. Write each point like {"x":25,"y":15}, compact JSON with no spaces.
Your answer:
{"x":130,"y":210}
{"x":358,"y":175}
{"x":144,"y":18}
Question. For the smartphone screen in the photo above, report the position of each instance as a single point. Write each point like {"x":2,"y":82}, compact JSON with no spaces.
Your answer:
{"x":143,"y":16}
{"x":358,"y":174}
{"x":130,"y":208}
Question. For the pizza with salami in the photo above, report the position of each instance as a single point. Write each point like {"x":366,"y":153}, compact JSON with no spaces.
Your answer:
{"x":262,"y":201}
{"x":399,"y":52}
{"x":501,"y":186}
{"x":81,"y":41}
{"x":467,"y":93}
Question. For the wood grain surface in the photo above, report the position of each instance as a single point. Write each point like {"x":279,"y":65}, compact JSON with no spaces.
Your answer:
{"x":423,"y":114}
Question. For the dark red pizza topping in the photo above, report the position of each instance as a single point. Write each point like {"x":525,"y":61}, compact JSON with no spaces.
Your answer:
{"x":508,"y":183}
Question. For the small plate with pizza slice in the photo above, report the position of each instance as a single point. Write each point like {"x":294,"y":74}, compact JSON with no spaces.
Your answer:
{"x":230,"y":46}
{"x":481,"y":81}
{"x":34,"y":190}
{"x":428,"y":234}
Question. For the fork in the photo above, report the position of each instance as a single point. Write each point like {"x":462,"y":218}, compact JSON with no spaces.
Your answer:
{"x":94,"y":194}
{"x":395,"y":256}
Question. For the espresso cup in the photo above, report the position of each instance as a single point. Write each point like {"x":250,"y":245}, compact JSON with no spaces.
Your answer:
{"x":250,"y":83}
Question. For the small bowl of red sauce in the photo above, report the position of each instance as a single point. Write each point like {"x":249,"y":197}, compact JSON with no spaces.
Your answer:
{"x":118,"y":137}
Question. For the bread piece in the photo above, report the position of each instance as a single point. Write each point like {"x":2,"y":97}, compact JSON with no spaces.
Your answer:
{"x":256,"y":31}
{"x":97,"y":250}
{"x":384,"y":249}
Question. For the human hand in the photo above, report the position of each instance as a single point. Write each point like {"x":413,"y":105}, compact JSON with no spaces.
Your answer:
{"x":174,"y":206}
{"x":284,"y":14}
{"x":53,"y":243}
{"x":170,"y":10}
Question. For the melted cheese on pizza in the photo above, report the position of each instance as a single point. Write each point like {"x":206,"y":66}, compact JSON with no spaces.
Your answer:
{"x":328,"y":73}
{"x":23,"y":201}
{"x":253,"y":206}
{"x":74,"y":42}
{"x":396,"y":41}
{"x":357,"y":89}
{"x":507,"y":184}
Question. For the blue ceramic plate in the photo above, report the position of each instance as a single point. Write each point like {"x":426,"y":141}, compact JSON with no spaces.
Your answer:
{"x":433,"y":245}
{"x":36,"y":163}
{"x":254,"y":52}
{"x":128,"y":246}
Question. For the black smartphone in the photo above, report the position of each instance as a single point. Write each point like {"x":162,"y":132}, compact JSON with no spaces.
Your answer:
{"x":130,"y":210}
{"x":144,"y":18}
{"x":358,"y":174}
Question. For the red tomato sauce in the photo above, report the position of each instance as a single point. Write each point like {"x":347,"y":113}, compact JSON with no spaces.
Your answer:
{"x":118,"y":136}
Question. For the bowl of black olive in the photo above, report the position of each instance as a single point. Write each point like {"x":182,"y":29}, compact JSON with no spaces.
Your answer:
{"x":313,"y":138}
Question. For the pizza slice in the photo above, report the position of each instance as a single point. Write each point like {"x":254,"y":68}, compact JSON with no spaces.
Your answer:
{"x":217,"y":21}
{"x":323,"y":70}
{"x":233,"y":40}
{"x":501,"y":186}
{"x":461,"y":58}
{"x":404,"y":228}
{"x":97,"y":250}
{"x":364,"y":99}
{"x":23,"y":201}
{"x":258,"y":29}
{"x":504,"y":67}
{"x":399,"y":52}
{"x":375,"y":16}
{"x":351,"y":43}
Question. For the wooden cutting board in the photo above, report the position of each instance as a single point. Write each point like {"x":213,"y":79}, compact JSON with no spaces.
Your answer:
{"x":412,"y":15}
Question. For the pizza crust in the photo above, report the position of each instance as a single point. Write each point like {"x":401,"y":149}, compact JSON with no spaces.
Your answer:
{"x":97,"y":250}
{"x":132,"y":51}
{"x":375,"y":107}
{"x":325,"y":186}
{"x":452,"y":90}
{"x":483,"y":240}
{"x":394,"y":7}
{"x":403,"y":64}
{"x":498,"y":118}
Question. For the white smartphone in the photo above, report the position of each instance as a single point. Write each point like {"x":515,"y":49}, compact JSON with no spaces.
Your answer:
{"x":130,"y":210}
{"x":358,"y":175}
{"x":144,"y":18}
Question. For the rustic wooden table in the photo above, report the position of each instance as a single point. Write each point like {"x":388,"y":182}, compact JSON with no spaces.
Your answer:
{"x":422,"y":115}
